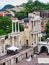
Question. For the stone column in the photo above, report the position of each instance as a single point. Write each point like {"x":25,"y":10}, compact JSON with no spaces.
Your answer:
{"x":11,"y":61}
{"x":40,"y":37}
{"x":12,"y":27}
{"x":4,"y":45}
{"x":15,"y":28}
{"x":19,"y":41}
{"x":14,"y":59}
{"x":36,"y":38}
{"x":13,"y":40}
{"x":6,"y":63}
{"x":33,"y":39}
{"x":18,"y":27}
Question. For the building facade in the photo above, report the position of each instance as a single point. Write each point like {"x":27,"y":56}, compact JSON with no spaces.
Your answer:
{"x":31,"y":34}
{"x":44,"y":14}
{"x":26,"y":41}
{"x":35,"y":30}
{"x":43,"y":27}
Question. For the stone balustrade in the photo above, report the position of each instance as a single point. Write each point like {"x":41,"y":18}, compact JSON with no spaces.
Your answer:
{"x":11,"y":59}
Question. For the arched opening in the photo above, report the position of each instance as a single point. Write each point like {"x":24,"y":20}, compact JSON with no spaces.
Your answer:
{"x":44,"y":50}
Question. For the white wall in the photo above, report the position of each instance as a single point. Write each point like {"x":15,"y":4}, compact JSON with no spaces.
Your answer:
{"x":39,"y":47}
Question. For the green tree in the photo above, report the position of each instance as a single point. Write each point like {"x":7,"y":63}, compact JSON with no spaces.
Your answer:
{"x":30,"y":7}
{"x":47,"y":29}
{"x":21,"y":27}
{"x":20,"y":15}
{"x":5,"y":24}
{"x":2,"y":32}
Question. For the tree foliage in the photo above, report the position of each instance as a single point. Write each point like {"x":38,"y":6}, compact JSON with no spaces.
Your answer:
{"x":47,"y":29}
{"x":30,"y":7}
{"x":5,"y":25}
{"x":20,"y":15}
{"x":2,"y":32}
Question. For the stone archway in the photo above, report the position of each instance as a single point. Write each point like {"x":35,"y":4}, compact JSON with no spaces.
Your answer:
{"x":44,"y":50}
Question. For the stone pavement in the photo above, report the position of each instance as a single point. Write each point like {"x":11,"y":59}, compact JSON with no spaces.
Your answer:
{"x":34,"y":61}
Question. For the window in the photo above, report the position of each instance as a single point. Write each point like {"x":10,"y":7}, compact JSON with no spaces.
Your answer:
{"x":27,"y":42}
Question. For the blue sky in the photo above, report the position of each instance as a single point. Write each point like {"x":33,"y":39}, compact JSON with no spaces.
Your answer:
{"x":16,"y":2}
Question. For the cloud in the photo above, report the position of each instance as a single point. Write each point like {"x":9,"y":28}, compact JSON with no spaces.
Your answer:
{"x":16,"y":2}
{"x":13,"y":2}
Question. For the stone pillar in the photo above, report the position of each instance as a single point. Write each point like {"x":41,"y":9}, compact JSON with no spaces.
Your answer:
{"x":19,"y":42}
{"x":4,"y":47}
{"x":18,"y":27}
{"x":15,"y":28}
{"x":40,"y":37}
{"x":36,"y":38}
{"x":33,"y":39}
{"x":6,"y":63}
{"x":12,"y":61}
{"x":12,"y":27}
{"x":13,"y":40}
{"x":9,"y":62}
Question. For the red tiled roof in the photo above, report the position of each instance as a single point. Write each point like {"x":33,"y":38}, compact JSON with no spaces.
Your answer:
{"x":2,"y":14}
